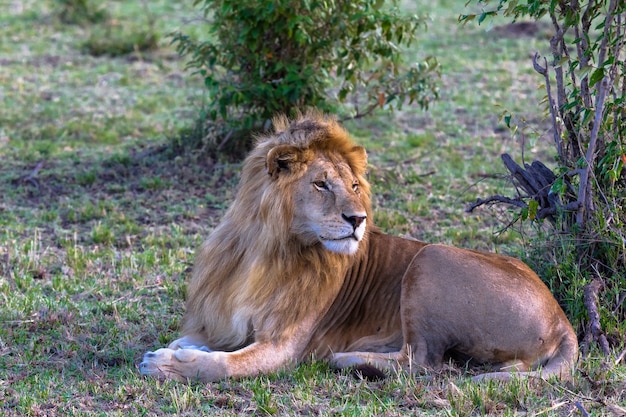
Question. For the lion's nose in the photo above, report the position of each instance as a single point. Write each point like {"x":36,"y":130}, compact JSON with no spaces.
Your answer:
{"x":355,"y":221}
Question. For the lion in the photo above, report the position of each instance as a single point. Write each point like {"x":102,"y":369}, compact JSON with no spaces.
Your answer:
{"x":297,"y":270}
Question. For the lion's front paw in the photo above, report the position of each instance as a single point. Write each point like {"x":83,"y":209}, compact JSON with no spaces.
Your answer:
{"x":184,"y":364}
{"x":165,"y":363}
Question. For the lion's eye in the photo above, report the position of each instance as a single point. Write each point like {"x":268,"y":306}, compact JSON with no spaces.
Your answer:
{"x":355,"y":187}
{"x":320,"y":185}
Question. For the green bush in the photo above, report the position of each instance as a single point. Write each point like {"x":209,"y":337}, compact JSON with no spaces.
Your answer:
{"x":78,"y":12}
{"x":266,"y":57}
{"x":117,"y":40}
{"x":584,"y":199}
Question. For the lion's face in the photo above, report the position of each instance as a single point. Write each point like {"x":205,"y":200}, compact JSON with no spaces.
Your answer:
{"x":328,"y":207}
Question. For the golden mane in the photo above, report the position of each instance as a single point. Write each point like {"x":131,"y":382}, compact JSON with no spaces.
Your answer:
{"x":251,"y":267}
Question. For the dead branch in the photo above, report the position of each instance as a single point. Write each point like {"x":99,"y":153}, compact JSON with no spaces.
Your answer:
{"x":535,"y":182}
{"x":590,"y":300}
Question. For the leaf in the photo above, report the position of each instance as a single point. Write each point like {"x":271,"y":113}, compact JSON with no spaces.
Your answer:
{"x":597,"y":75}
{"x":464,"y":18}
{"x":557,"y":186}
{"x":507,"y":120}
{"x":533,"y":205}
{"x":381,"y":99}
{"x":524,"y":213}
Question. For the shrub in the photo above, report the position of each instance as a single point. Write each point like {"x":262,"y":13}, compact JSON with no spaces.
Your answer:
{"x":78,"y":12}
{"x":266,"y":57}
{"x":585,"y":198}
{"x":118,"y":40}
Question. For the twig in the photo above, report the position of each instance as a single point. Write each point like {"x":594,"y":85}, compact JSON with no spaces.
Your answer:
{"x":557,"y":125}
{"x":495,"y":198}
{"x":225,"y":140}
{"x":615,"y":409}
{"x":358,"y":115}
{"x":618,"y":305}
{"x":31,"y":178}
{"x":552,"y":408}
{"x":582,"y":410}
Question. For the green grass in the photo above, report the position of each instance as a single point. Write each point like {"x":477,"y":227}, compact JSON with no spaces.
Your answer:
{"x":98,"y":232}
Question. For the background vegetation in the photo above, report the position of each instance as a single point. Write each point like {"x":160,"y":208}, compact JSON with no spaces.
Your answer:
{"x":263,"y":58}
{"x":583,"y":200}
{"x":98,"y":228}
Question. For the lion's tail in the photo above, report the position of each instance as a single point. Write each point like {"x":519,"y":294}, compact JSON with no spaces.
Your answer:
{"x":560,"y":364}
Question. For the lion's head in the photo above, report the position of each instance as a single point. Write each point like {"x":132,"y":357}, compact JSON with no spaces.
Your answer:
{"x":305,"y":182}
{"x":326,"y":196}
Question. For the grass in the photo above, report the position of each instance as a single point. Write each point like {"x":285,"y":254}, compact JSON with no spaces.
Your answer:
{"x":98,"y":231}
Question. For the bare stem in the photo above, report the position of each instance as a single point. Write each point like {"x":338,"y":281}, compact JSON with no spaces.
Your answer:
{"x":584,"y":190}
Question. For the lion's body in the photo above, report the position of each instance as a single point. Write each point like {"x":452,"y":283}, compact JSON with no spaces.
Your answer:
{"x":296,"y":268}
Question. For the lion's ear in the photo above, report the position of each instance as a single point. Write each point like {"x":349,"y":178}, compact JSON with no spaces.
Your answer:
{"x":283,"y":158}
{"x":359,"y":150}
{"x":359,"y":159}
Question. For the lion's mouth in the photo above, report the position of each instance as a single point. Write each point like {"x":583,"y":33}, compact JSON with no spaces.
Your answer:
{"x":352,"y":236}
{"x":347,"y":244}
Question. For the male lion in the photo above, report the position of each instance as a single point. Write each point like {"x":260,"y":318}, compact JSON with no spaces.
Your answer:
{"x":297,"y":269}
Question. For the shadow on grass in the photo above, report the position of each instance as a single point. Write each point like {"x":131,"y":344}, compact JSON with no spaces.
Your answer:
{"x":132,"y":188}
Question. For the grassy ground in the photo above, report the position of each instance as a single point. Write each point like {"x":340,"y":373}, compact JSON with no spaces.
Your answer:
{"x":97,"y":233}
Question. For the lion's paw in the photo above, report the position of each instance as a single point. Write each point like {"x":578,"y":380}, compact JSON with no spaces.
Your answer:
{"x":163,"y":363}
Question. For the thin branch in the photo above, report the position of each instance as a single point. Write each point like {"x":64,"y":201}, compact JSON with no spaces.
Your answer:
{"x":358,"y":115}
{"x":495,"y":199}
{"x":582,"y":410}
{"x":581,"y":49}
{"x":32,"y":177}
{"x":557,"y":132}
{"x":555,"y":43}
{"x":584,"y":190}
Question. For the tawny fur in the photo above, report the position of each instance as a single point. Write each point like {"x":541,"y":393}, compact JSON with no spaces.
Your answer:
{"x":267,"y":292}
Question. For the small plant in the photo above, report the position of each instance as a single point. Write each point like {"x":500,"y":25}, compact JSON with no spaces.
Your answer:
{"x":78,"y":12}
{"x":262,"y":395}
{"x":152,"y":183}
{"x":102,"y":234}
{"x":87,"y":178}
{"x":267,"y":57}
{"x":116,"y":39}
{"x":121,"y":40}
